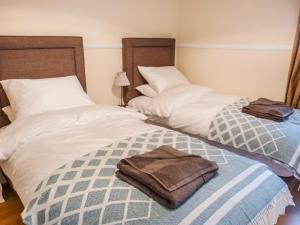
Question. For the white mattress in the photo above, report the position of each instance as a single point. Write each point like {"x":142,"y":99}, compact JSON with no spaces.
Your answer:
{"x":42,"y":144}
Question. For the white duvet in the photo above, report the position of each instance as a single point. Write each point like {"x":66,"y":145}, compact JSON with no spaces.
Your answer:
{"x":189,"y":108}
{"x":33,"y":147}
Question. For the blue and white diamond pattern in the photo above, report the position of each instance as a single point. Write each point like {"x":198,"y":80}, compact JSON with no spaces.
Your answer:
{"x":243,"y":131}
{"x":86,"y":191}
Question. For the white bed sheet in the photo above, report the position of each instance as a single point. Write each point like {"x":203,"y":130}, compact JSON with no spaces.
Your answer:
{"x":40,"y":154}
{"x":196,"y":117}
{"x":189,"y":108}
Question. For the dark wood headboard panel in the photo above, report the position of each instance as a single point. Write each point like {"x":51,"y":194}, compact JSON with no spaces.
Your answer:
{"x":144,"y":52}
{"x":33,"y":57}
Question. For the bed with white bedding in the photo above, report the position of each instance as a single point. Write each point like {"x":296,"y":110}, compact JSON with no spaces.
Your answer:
{"x":162,"y":93}
{"x":203,"y":112}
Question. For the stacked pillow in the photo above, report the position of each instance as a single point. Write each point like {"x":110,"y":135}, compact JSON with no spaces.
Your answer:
{"x":33,"y":96}
{"x":160,"y":79}
{"x":146,"y":90}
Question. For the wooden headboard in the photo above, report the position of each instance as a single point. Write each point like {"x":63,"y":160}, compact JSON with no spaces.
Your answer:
{"x":144,"y":52}
{"x":33,"y":57}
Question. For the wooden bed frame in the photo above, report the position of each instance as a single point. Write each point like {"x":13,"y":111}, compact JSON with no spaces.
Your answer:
{"x":31,"y":57}
{"x":161,"y":52}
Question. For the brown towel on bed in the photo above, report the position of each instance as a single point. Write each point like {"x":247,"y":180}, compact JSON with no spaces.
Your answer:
{"x":167,"y":175}
{"x":268,"y":109}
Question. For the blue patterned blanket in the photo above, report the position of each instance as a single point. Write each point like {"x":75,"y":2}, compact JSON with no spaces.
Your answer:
{"x":86,"y":191}
{"x":278,"y":140}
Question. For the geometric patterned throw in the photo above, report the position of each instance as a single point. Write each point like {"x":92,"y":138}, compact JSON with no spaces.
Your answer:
{"x":86,"y":190}
{"x":279,"y":140}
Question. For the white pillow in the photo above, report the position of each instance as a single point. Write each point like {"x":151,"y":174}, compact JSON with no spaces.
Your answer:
{"x":161,"y":78}
{"x":141,"y":104}
{"x":9,"y":112}
{"x":32,"y":96}
{"x":147,"y":90}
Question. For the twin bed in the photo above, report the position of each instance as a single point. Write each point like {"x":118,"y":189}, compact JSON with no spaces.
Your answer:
{"x":62,"y":163}
{"x":203,"y":112}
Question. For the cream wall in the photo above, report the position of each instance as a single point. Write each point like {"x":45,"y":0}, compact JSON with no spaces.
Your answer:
{"x":102,"y":23}
{"x":237,"y":46}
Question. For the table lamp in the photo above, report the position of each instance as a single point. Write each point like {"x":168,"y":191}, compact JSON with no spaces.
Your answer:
{"x":122,"y":81}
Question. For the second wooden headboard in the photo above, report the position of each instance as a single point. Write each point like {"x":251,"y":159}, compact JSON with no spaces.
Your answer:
{"x":144,"y":52}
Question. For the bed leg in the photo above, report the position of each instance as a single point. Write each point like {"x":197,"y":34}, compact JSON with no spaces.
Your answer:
{"x":1,"y":196}
{"x":2,"y":181}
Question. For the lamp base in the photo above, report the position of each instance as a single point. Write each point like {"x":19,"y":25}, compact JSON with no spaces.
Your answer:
{"x":121,"y":97}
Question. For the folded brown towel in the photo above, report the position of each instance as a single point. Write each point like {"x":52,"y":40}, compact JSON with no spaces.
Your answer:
{"x":268,"y":109}
{"x":167,"y":175}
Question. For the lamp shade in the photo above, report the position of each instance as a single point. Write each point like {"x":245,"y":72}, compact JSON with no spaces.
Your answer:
{"x":121,"y":80}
